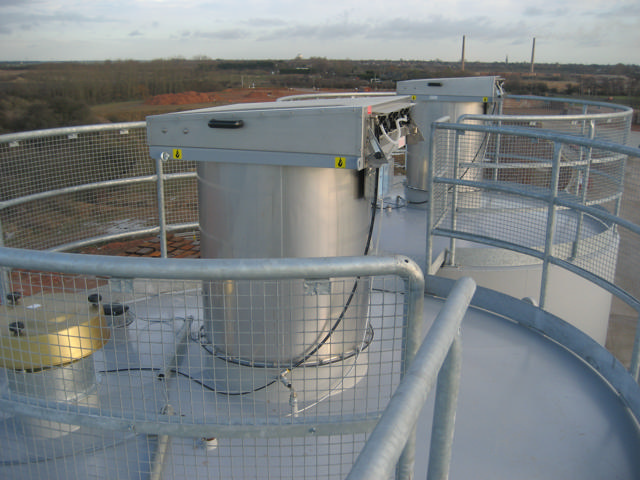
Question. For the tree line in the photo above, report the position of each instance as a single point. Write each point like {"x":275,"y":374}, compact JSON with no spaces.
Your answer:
{"x":45,"y":95}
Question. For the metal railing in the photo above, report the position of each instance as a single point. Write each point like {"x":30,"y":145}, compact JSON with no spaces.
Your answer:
{"x":592,"y":120}
{"x":66,"y":188}
{"x":202,"y":410}
{"x":440,"y":352}
{"x":468,"y":201}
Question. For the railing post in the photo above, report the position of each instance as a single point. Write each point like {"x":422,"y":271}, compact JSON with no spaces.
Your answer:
{"x":634,"y":367}
{"x":430,"y":206}
{"x":454,"y":197}
{"x":382,"y":450}
{"x":413,"y":315}
{"x":551,"y":222}
{"x":162,"y":220}
{"x":444,"y":413}
{"x":585,"y":188}
{"x":4,"y":274}
{"x":498,"y":141}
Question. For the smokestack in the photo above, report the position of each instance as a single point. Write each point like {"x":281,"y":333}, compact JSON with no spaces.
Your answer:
{"x":463,"y":42}
{"x":533,"y":53}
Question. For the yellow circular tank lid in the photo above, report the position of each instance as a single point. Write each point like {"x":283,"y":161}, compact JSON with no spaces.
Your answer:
{"x":48,"y":330}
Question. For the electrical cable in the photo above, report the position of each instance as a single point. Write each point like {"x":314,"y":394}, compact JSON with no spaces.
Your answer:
{"x":366,"y":342}
{"x":182,"y":374}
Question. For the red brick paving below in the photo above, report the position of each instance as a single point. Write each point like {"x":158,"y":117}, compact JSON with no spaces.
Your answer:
{"x":178,"y":246}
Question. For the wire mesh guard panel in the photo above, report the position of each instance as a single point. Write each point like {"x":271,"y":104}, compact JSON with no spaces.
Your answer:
{"x":89,"y":184}
{"x":598,"y":121}
{"x":520,"y":214}
{"x":629,"y":240}
{"x":81,"y":353}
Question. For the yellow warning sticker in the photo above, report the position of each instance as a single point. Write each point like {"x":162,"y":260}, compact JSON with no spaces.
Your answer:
{"x":413,"y":98}
{"x":341,"y":162}
{"x":177,"y":154}
{"x":485,"y":99}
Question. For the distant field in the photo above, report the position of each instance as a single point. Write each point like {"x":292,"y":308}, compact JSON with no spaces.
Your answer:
{"x":137,"y":110}
{"x":37,"y":95}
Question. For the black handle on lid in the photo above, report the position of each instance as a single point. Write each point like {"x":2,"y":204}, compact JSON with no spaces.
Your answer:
{"x":213,"y":123}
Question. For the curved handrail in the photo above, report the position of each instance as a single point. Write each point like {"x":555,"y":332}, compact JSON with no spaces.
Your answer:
{"x":543,"y":134}
{"x":550,"y":197}
{"x":570,"y":101}
{"x":439,"y":354}
{"x":51,"y":132}
{"x":312,"y":96}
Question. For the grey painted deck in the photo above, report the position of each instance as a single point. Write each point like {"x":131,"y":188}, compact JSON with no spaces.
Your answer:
{"x":530,"y":409}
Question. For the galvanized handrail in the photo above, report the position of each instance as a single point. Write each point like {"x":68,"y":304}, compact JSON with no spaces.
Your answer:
{"x":233,"y":269}
{"x":551,"y":197}
{"x":593,"y":103}
{"x":209,"y":270}
{"x":61,"y":131}
{"x":439,"y":358}
{"x":158,"y":178}
{"x":439,"y":355}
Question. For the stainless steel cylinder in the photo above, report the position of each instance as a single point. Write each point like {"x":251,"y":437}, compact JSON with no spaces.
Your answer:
{"x":67,"y":383}
{"x":62,"y":383}
{"x":270,"y":211}
{"x":424,"y":113}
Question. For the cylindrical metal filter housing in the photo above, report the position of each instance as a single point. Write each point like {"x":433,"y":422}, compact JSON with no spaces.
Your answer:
{"x":433,"y":100}
{"x":424,"y":114}
{"x":272,"y":211}
{"x":280,"y":180}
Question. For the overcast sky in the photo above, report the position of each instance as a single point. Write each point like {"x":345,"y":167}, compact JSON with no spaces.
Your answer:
{"x":566,"y":31}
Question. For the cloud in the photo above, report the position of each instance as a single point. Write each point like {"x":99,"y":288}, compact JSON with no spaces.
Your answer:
{"x":626,"y":11}
{"x":534,"y":11}
{"x":546,"y":12}
{"x":226,"y":34}
{"x":29,"y":20}
{"x":324,"y":32}
{"x":14,"y":3}
{"x":355,"y":29}
{"x":434,"y":28}
{"x":265,"y":22}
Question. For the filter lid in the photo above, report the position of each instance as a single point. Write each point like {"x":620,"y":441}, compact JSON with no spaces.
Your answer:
{"x":48,"y":330}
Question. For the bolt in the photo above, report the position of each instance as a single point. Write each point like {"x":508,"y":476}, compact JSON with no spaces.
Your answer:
{"x":94,"y":299}
{"x":14,"y":297}
{"x":16,"y":329}
{"x":115,"y":309}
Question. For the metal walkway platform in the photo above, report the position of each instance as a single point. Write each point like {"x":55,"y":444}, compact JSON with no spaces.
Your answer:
{"x":529,"y":408}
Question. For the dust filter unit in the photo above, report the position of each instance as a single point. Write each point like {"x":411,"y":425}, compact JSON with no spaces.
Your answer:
{"x":278,"y":180}
{"x":444,"y":99}
{"x":46,"y":346}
